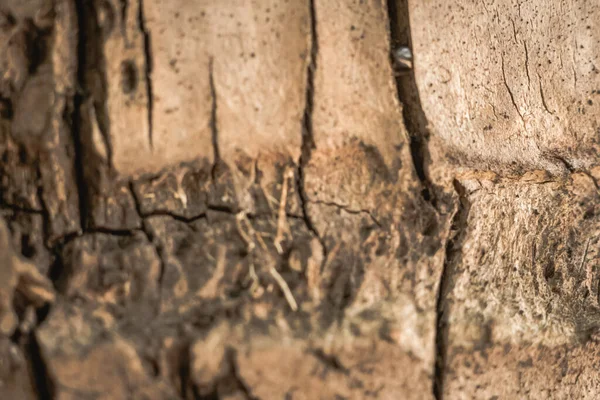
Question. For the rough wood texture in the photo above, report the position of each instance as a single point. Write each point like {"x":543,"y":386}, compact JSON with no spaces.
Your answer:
{"x":510,"y":91}
{"x":510,"y":84}
{"x":244,"y":200}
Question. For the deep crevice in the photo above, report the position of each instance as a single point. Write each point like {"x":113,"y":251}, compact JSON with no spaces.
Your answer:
{"x":408,"y":95}
{"x":41,"y":378}
{"x":21,"y":209}
{"x":148,"y":72}
{"x":57,"y":268}
{"x":231,"y":355}
{"x":214,"y":130}
{"x":308,"y":142}
{"x":80,"y":180}
{"x":453,"y":255}
{"x":183,"y":369}
{"x":416,"y":124}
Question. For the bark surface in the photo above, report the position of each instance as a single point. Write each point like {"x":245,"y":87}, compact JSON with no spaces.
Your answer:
{"x":245,"y":200}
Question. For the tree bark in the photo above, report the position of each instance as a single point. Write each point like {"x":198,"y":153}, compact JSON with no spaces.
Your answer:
{"x":247,"y":200}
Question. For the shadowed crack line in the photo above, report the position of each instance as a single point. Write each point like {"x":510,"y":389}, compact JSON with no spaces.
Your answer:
{"x":456,"y":237}
{"x":568,"y":166}
{"x":43,"y":382}
{"x":527,"y":63}
{"x":408,"y":95}
{"x":177,"y":217}
{"x":544,"y":103}
{"x":308,"y":143}
{"x":214,"y":130}
{"x":150,"y":238}
{"x":348,"y":209}
{"x":417,"y":126}
{"x":149,"y":65}
{"x":509,"y":90}
{"x":79,"y":159}
{"x":113,"y":232}
{"x":22,"y":209}
{"x":231,"y":356}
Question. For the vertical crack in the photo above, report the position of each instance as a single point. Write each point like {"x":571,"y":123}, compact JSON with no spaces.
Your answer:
{"x":123,"y":8}
{"x":308,"y":141}
{"x":214,"y":129}
{"x":527,"y":63}
{"x":509,"y":90}
{"x":543,"y":97}
{"x":43,"y":383}
{"x":149,"y":64}
{"x":408,"y":95}
{"x":82,"y":189}
{"x":152,"y":240}
{"x":514,"y":28}
{"x":44,"y":209}
{"x":456,"y":236}
{"x":183,"y":369}
{"x":416,"y":124}
{"x":231,"y":358}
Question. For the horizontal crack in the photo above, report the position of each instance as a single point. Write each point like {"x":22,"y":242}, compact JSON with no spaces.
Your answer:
{"x":110,"y":231}
{"x":347,"y":209}
{"x":166,"y":213}
{"x":25,"y":210}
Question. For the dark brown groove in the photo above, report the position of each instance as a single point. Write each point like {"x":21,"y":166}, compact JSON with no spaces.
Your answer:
{"x":408,"y":95}
{"x":416,"y":124}
{"x":43,"y":383}
{"x":456,"y":236}
{"x":83,"y":13}
{"x":308,"y":142}
{"x":231,"y":358}
{"x":148,"y":72}
{"x":214,"y":128}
